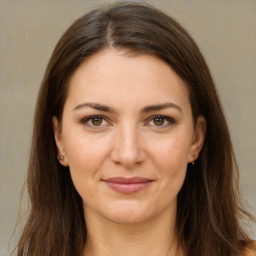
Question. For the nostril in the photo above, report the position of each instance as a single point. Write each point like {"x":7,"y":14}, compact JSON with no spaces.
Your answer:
{"x":128,"y":158}
{"x":127,"y":148}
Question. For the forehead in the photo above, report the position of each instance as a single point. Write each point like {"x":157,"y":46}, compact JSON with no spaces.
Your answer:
{"x":115,"y":76}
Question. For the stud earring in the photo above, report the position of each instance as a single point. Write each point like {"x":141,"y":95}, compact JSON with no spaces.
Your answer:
{"x":194,"y":158}
{"x":60,"y":157}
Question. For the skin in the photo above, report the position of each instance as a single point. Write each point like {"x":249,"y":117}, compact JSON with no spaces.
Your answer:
{"x":128,"y":140}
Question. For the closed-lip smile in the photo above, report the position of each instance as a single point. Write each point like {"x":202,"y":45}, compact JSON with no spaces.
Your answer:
{"x":128,"y":185}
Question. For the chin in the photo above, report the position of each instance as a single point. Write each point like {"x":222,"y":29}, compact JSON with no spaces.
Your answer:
{"x":127,"y":213}
{"x":127,"y":218}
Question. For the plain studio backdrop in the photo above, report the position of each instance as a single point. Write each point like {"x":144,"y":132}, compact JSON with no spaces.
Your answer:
{"x":224,"y":29}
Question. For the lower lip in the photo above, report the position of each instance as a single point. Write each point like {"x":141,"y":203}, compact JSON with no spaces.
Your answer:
{"x":128,"y":188}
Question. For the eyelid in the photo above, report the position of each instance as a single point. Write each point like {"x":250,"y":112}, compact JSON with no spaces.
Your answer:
{"x":85,"y":121}
{"x":169,"y":119}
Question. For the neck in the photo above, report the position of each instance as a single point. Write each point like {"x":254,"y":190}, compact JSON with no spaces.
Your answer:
{"x":152,"y":238}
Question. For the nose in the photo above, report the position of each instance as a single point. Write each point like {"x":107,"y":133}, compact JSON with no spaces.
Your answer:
{"x":127,"y":149}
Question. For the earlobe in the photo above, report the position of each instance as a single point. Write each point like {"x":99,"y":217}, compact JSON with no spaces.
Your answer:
{"x":198,"y":139}
{"x":61,"y":157}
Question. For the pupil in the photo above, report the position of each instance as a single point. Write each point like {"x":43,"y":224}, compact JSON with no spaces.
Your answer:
{"x":97,"y":121}
{"x":158,"y":121}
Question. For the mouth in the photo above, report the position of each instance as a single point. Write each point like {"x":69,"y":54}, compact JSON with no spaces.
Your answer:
{"x":128,"y":185}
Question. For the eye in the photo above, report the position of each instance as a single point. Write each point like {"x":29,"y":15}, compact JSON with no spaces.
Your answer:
{"x":158,"y":121}
{"x":161,"y":121}
{"x":95,"y":121}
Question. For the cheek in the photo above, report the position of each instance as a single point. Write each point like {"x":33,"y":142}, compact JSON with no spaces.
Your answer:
{"x":173,"y":152}
{"x":171,"y":161}
{"x":85,"y":157}
{"x":85,"y":149}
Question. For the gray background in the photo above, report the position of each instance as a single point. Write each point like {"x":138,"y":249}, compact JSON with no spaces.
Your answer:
{"x":224,"y":29}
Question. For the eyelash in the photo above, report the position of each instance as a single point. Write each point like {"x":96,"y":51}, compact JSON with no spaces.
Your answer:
{"x":167,"y":121}
{"x":88,"y":119}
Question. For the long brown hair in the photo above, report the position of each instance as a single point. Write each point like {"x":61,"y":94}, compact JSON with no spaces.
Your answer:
{"x":208,"y":203}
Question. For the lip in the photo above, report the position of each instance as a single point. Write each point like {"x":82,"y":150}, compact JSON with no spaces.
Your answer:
{"x":128,"y":185}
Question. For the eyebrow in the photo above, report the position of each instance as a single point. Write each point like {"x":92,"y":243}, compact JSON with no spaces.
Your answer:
{"x":160,"y":107}
{"x":95,"y":106}
{"x":146,"y":109}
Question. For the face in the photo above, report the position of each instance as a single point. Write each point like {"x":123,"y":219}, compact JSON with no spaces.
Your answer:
{"x":127,"y":135}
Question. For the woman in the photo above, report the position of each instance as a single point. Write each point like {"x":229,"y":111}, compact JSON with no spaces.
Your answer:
{"x":131,"y":154}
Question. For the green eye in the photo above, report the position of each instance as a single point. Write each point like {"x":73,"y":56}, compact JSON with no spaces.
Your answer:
{"x":158,"y":121}
{"x":97,"y":121}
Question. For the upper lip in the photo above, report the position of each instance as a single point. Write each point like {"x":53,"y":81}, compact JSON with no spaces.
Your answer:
{"x":123,"y":180}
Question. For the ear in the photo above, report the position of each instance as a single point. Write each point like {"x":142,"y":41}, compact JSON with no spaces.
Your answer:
{"x":198,"y":139}
{"x":59,"y":142}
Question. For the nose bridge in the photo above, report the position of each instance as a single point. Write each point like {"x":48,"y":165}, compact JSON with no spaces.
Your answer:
{"x":127,"y":148}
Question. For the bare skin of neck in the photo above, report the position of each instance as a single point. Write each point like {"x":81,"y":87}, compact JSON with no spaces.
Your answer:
{"x":153,"y":237}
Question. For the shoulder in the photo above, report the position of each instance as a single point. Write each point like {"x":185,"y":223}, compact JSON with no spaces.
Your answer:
{"x":250,"y":249}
